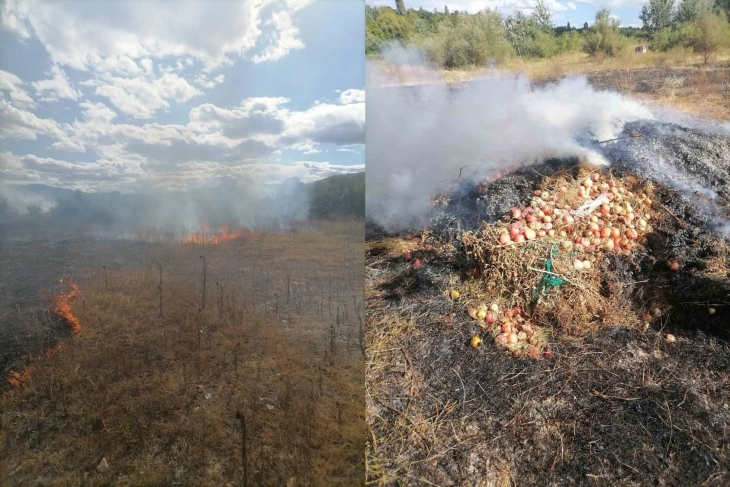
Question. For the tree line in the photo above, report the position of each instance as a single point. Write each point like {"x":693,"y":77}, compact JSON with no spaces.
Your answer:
{"x":456,"y":39}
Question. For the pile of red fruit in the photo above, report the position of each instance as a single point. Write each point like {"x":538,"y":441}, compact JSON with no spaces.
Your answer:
{"x":511,"y":329}
{"x":608,"y":217}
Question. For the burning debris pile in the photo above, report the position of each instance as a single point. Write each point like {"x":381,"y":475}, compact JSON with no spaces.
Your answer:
{"x":563,"y":248}
{"x":548,"y":258}
{"x":574,"y":247}
{"x":561,"y":322}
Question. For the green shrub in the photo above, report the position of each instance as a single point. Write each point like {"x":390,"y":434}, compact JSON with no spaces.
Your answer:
{"x":711,"y":33}
{"x":384,"y":26}
{"x":472,"y":40}
{"x":569,"y":42}
{"x":603,"y":36}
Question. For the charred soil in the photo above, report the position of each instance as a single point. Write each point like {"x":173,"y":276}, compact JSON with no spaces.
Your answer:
{"x":609,"y":399}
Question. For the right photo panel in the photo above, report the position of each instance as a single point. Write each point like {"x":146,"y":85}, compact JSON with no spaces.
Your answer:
{"x":548,"y":242}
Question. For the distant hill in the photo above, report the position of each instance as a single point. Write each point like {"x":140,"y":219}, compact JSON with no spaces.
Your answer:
{"x":341,"y":195}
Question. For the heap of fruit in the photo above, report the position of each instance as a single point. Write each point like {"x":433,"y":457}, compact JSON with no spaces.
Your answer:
{"x":510,"y":328}
{"x":589,"y":216}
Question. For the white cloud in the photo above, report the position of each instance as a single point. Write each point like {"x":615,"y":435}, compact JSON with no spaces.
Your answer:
{"x":285,"y":37}
{"x":83,"y":35}
{"x":12,"y":84}
{"x":203,"y":80}
{"x":215,"y":142}
{"x":352,"y":96}
{"x":147,"y":65}
{"x":328,"y":123}
{"x":20,"y":124}
{"x":119,"y":64}
{"x":140,"y":97}
{"x":56,"y":87}
{"x":98,"y":112}
{"x":30,"y":168}
{"x":306,"y":148}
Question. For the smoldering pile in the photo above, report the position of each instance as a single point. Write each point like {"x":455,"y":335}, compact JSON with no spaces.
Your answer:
{"x":656,"y":255}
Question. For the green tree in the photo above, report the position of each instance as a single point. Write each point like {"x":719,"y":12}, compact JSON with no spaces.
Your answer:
{"x":400,"y":7}
{"x":519,"y":29}
{"x":446,"y":10}
{"x":657,"y":14}
{"x":686,"y":11}
{"x":542,"y":17}
{"x":532,"y":36}
{"x":603,"y":36}
{"x":585,"y":25}
{"x":723,"y":5}
{"x":474,"y":40}
{"x":713,"y":33}
{"x":383,"y":26}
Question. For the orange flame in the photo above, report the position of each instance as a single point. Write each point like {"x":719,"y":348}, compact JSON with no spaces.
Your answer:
{"x":63,"y":308}
{"x":224,"y":235}
{"x":17,"y":379}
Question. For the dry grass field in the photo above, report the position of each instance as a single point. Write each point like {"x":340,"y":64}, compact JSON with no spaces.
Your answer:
{"x":239,"y":363}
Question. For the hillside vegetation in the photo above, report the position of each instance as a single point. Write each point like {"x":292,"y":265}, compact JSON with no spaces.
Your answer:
{"x":456,"y":39}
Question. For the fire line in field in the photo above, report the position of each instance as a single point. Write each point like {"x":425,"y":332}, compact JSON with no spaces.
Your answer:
{"x":62,"y":307}
{"x":225,"y":234}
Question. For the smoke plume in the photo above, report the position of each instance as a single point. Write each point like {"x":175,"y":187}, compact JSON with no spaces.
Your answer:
{"x":419,"y":137}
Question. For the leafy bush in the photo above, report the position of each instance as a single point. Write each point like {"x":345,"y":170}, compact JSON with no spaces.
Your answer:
{"x":603,"y":36}
{"x":666,"y":39}
{"x":569,"y":42}
{"x":384,"y":26}
{"x":474,"y":40}
{"x":712,"y":33}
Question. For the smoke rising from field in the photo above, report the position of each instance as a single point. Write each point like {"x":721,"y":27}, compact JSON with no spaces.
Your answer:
{"x":419,"y":137}
{"x":224,"y":202}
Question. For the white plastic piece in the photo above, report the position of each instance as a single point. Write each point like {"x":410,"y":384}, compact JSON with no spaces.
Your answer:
{"x":589,"y":206}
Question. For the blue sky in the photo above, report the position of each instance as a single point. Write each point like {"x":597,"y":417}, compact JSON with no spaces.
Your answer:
{"x":133,"y":95}
{"x":574,"y":11}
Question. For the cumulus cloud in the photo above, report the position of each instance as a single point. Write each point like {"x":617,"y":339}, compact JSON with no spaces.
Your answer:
{"x":124,"y":63}
{"x":20,"y":124}
{"x":203,"y":80}
{"x":111,"y":35}
{"x":328,"y":123}
{"x":12,"y":85}
{"x":31,"y":168}
{"x":56,"y":87}
{"x":352,"y":96}
{"x":284,"y":38}
{"x":141,"y":97}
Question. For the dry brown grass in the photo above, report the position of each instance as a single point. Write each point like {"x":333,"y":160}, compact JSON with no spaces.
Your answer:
{"x":158,"y":396}
{"x":615,"y":404}
{"x":677,"y":78}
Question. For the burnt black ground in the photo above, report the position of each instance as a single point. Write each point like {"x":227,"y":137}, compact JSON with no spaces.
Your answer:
{"x":34,"y":254}
{"x":617,"y":407}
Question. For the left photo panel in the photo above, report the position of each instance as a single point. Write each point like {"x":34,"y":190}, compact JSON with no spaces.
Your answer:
{"x":182,"y":198}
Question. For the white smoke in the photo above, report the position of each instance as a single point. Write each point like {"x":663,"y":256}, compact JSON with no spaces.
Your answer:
{"x":418,"y":137}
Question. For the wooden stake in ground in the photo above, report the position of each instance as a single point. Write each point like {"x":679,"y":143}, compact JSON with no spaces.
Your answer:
{"x":204,"y":280}
{"x":244,"y":479}
{"x":160,"y":289}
